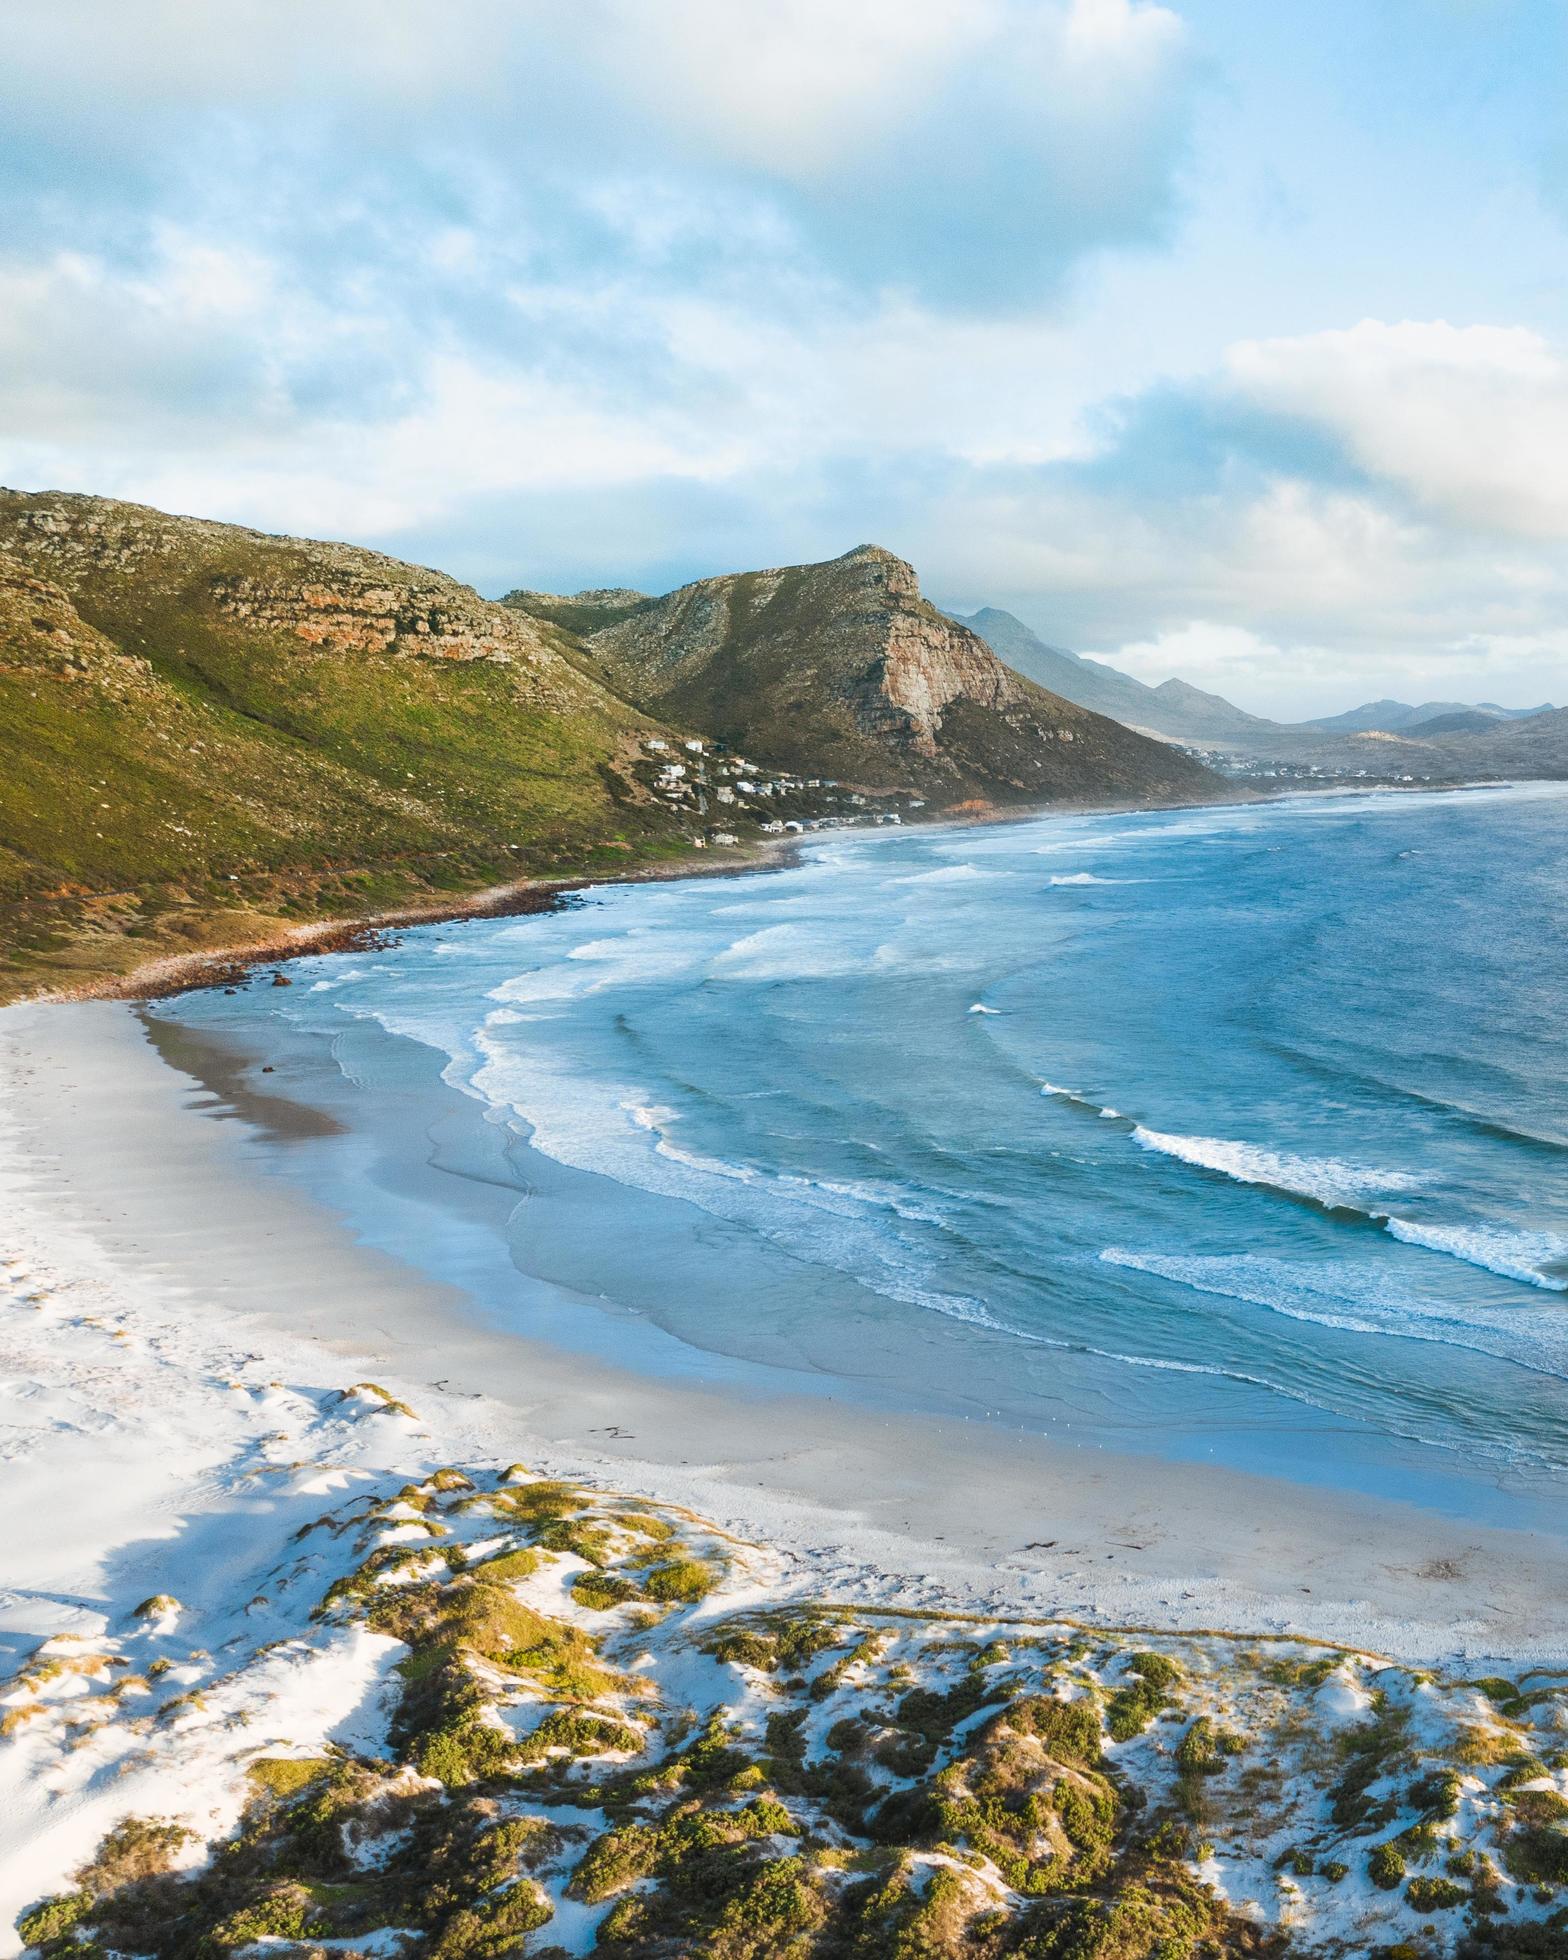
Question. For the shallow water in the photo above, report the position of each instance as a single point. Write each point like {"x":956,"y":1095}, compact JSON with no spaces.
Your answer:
{"x":1233,"y":1133}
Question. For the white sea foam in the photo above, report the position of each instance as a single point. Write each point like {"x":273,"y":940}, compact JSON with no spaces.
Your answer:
{"x":1349,"y":1297}
{"x":1083,"y":878}
{"x":947,"y":874}
{"x":1511,"y":1254}
{"x":1324,"y":1180}
{"x":981,"y":1008}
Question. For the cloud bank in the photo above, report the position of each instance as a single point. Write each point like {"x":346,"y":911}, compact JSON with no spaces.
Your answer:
{"x":573,"y":295}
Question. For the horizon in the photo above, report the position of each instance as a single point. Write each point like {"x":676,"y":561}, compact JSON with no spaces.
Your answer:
{"x":1211,"y":345}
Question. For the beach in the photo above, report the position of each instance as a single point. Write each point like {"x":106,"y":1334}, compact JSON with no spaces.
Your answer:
{"x":128,"y":1176}
{"x":296,"y":1323}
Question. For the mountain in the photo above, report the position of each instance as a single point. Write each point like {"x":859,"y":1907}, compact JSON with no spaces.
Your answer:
{"x":1174,"y":710}
{"x":1456,"y":721}
{"x":1530,"y":746}
{"x":219,"y":733}
{"x":1398,"y":717}
{"x":842,"y":669}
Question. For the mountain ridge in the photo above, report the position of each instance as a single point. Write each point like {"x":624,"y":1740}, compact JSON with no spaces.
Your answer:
{"x":1175,"y":711}
{"x":843,"y":667}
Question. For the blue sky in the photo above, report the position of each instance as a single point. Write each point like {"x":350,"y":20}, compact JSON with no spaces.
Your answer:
{"x":1222,"y":339}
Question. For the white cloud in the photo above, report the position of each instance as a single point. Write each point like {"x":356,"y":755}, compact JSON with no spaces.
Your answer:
{"x":1471,"y":421}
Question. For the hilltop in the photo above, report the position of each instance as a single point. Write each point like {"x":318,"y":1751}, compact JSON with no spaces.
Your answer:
{"x":845,"y":669}
{"x":227,"y":734}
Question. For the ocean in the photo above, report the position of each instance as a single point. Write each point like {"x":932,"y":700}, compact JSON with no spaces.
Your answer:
{"x":1231,"y":1134}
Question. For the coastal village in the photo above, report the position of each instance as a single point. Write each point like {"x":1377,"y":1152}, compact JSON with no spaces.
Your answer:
{"x":728,"y":800}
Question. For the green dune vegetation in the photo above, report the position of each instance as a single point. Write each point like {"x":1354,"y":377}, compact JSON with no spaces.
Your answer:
{"x":608,"y":1733}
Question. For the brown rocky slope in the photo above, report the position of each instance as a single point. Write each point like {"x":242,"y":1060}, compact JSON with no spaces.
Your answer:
{"x":843,"y":668}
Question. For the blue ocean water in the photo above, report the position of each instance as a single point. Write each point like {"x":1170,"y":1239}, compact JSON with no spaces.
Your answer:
{"x":1231,"y":1132}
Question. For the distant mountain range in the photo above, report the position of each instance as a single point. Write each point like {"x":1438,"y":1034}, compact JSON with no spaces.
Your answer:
{"x":1179,"y":712}
{"x":1174,"y":710}
{"x":1434,"y":717}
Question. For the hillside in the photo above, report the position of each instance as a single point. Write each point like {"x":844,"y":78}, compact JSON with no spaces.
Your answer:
{"x":226,"y":734}
{"x":1175,"y":710}
{"x":844,"y":669}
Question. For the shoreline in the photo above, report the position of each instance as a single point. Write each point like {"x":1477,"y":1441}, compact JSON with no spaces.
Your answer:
{"x":113,"y":1146}
{"x":214,"y":966}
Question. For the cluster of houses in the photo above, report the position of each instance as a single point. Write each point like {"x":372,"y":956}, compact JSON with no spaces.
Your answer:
{"x":699,"y":779}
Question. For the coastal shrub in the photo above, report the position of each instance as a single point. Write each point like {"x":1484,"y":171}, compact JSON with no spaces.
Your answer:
{"x":1334,"y":1870}
{"x":1159,"y":1670}
{"x":614,"y":1861}
{"x":682,"y":1582}
{"x":1386,"y":1867}
{"x":591,"y":1542}
{"x":1437,"y":1793}
{"x":467,"y":1751}
{"x":771,"y":1912}
{"x":1087,"y":1813}
{"x":1435,"y":1894}
{"x":833,"y":1677}
{"x":286,"y":1912}
{"x":543,"y":1502}
{"x":1143,"y":1922}
{"x":601,"y":1590}
{"x":1303,"y":1674}
{"x":1132,"y":1708}
{"x":509,"y":1567}
{"x":1537,"y":1855}
{"x":1203,"y":1749}
{"x":53,"y":1918}
{"x":1368,"y":1750}
{"x":285,"y":1776}
{"x":743,"y":1647}
{"x":155,"y":1607}
{"x":1069,"y":1730}
{"x":580,"y":1734}
{"x":140,"y":1847}
{"x":494,"y":1929}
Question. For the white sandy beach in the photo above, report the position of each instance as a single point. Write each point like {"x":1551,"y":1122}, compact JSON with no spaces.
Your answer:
{"x":116,"y":1174}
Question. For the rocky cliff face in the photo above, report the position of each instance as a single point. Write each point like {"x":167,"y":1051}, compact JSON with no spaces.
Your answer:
{"x":42,"y":633}
{"x":843,"y":667}
{"x":318,"y":596}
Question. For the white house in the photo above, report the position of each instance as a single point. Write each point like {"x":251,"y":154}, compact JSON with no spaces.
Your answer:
{"x":773,"y":825}
{"x":725,"y":837}
{"x":694,"y":746}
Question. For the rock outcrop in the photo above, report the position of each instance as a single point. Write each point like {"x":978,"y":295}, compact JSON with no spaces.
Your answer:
{"x":333,"y":597}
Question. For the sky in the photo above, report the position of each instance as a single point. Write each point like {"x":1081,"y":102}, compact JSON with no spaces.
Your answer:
{"x":1212,"y":338}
